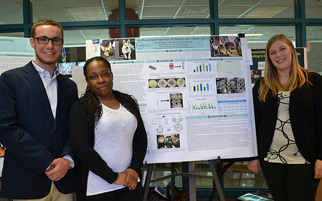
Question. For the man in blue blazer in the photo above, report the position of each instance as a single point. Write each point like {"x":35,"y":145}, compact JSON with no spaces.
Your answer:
{"x":34,"y":107}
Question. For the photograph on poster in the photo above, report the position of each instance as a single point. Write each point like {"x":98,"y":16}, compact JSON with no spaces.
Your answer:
{"x":168,"y":141}
{"x":176,"y":100}
{"x":108,"y":49}
{"x":255,"y":74}
{"x":118,"y":49}
{"x":166,"y":101}
{"x":167,"y":83}
{"x":127,"y":49}
{"x":230,"y":85}
{"x":225,"y":46}
{"x":236,"y":85}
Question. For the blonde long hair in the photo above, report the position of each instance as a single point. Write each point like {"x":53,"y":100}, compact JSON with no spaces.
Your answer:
{"x":298,"y":75}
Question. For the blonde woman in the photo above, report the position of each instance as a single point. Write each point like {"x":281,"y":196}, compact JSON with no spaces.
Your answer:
{"x":288,"y":116}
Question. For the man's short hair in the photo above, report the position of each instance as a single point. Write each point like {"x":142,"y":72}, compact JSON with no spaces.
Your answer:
{"x":45,"y":22}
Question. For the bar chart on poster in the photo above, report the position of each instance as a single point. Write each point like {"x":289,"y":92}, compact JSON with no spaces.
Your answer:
{"x":194,"y":93}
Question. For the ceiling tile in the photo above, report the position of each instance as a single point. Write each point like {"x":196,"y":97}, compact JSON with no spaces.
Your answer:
{"x":86,"y":14}
{"x":158,"y":12}
{"x":57,"y":14}
{"x":265,"y":12}
{"x":193,"y":12}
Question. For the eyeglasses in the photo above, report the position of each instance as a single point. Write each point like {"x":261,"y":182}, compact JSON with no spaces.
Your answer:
{"x":45,"y":40}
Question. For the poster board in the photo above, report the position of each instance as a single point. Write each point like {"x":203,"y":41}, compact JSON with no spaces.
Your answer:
{"x":194,"y":93}
{"x":14,"y":52}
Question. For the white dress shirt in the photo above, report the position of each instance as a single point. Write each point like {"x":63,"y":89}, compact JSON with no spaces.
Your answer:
{"x":51,"y":87}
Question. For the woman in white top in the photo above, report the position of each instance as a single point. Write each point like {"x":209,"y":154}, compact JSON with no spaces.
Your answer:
{"x":108,"y":137}
{"x":288,"y":117}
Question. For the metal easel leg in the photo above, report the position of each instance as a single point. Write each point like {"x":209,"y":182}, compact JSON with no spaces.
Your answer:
{"x":173,"y":171}
{"x":216,"y":180}
{"x":147,"y":181}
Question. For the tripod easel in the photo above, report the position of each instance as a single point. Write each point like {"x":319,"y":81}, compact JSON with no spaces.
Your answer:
{"x":174,"y":173}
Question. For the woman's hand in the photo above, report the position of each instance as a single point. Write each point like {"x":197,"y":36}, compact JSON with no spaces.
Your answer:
{"x":254,"y":166}
{"x":131,"y":178}
{"x":121,"y":179}
{"x":318,"y":169}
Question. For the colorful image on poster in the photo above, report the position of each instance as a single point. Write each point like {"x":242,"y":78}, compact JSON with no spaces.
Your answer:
{"x":225,"y":46}
{"x":108,"y":49}
{"x":118,"y":49}
{"x":127,"y":50}
{"x":231,"y":85}
{"x":167,"y":83}
{"x":168,"y":141}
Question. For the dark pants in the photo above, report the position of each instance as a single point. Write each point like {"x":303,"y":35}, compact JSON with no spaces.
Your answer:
{"x":290,"y":182}
{"x":123,"y":194}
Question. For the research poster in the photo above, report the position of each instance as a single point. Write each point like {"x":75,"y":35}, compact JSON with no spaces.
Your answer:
{"x":14,"y":52}
{"x":194,"y":93}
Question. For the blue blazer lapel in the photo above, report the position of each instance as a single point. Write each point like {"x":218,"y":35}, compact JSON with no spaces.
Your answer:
{"x":33,"y":78}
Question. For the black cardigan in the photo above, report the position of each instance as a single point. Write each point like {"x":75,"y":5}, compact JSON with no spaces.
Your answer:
{"x":305,"y":114}
{"x":82,"y":142}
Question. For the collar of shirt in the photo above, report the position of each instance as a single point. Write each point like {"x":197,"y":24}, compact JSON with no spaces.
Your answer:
{"x":45,"y":74}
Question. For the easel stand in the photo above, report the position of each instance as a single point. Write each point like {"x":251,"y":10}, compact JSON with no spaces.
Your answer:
{"x":174,"y":173}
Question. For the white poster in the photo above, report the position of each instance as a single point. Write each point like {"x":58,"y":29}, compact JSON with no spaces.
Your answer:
{"x":194,"y":94}
{"x":14,"y":52}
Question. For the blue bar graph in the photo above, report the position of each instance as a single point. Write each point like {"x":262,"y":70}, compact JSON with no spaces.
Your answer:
{"x":202,"y":68}
{"x":201,"y":87}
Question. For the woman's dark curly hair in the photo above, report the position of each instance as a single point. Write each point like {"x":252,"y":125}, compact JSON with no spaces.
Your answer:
{"x":94,"y":106}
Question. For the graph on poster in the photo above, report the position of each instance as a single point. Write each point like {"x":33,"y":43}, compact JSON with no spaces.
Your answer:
{"x":201,"y":68}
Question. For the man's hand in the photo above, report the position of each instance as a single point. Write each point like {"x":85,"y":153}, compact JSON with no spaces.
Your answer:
{"x":131,"y":178}
{"x":57,"y":169}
